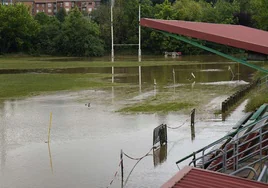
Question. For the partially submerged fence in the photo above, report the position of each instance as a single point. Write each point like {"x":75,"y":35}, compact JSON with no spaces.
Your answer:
{"x":233,"y":99}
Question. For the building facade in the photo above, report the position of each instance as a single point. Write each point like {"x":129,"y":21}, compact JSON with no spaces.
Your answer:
{"x":51,"y":7}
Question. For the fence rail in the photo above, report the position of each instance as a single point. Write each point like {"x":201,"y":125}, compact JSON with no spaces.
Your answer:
{"x":233,"y":99}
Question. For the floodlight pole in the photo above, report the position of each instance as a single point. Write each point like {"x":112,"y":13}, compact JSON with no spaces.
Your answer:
{"x":139,"y":51}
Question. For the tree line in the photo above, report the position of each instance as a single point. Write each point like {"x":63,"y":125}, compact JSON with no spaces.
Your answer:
{"x":78,"y":34}
{"x":71,"y":35}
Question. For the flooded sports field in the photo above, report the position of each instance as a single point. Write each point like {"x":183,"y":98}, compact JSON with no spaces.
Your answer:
{"x":90,"y":127}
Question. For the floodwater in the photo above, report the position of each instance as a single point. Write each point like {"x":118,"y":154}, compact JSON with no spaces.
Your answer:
{"x":85,"y":145}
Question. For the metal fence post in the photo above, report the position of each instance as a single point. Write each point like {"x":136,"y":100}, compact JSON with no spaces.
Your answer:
{"x":194,"y":159}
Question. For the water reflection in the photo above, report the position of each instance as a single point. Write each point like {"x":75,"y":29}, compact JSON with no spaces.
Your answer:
{"x":192,"y":85}
{"x":3,"y":146}
{"x":174,"y":80}
{"x":140,"y":78}
{"x":50,"y":157}
{"x":112,"y":74}
{"x":192,"y":133}
{"x":160,"y":155}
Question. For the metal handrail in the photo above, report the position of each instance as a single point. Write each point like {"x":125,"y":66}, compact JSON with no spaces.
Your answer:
{"x":263,"y":173}
{"x":237,"y":156}
{"x":245,"y":168}
{"x":230,"y":135}
{"x":196,"y":159}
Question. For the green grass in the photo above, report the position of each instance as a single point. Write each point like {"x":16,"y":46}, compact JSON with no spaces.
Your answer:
{"x":19,"y":85}
{"x":257,"y":99}
{"x":163,"y":107}
{"x":63,"y":62}
{"x":258,"y":96}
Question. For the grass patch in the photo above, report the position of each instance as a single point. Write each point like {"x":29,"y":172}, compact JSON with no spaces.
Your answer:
{"x":163,"y":107}
{"x":19,"y":85}
{"x":256,"y":100}
{"x":258,"y":97}
{"x":63,"y":62}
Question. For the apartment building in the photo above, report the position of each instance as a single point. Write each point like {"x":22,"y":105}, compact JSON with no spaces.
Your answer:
{"x":50,"y":7}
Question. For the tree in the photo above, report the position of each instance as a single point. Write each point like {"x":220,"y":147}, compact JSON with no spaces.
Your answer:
{"x":42,"y":18}
{"x":47,"y":38}
{"x":183,"y":10}
{"x":164,"y":10}
{"x":222,"y":12}
{"x":80,"y":36}
{"x":260,"y":15}
{"x":61,"y":14}
{"x":17,"y":28}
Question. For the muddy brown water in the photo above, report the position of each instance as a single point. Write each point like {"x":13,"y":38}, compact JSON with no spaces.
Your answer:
{"x":86,"y":141}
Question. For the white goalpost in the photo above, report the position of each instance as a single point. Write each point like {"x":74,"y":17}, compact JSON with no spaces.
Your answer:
{"x":112,"y":35}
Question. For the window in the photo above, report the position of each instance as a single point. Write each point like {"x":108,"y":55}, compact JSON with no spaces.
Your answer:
{"x":49,"y":5}
{"x":37,"y":5}
{"x":43,"y":5}
{"x":37,"y":11}
{"x":49,"y":10}
{"x":66,"y":4}
{"x":90,"y":9}
{"x":67,"y":9}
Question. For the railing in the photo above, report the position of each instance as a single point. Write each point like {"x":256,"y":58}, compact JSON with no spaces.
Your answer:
{"x":248,"y":148}
{"x":204,"y":156}
{"x":244,"y":169}
{"x":263,"y":177}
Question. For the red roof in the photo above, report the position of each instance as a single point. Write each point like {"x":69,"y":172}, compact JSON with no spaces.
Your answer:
{"x":232,"y":35}
{"x":190,"y":177}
